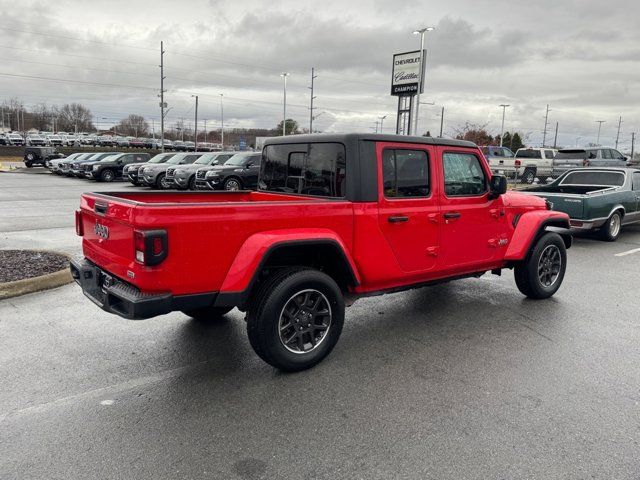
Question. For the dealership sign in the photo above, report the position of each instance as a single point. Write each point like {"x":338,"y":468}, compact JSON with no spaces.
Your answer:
{"x":405,"y":78}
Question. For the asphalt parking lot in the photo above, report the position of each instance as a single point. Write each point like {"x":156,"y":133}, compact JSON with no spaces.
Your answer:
{"x":463,"y":380}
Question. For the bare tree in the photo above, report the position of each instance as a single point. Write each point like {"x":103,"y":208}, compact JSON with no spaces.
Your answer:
{"x":73,"y":117}
{"x":133,"y":125}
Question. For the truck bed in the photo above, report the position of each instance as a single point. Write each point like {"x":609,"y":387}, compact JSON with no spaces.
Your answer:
{"x":203,"y":228}
{"x":569,"y":189}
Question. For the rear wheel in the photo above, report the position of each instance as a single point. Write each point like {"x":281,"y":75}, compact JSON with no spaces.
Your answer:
{"x":107,"y":176}
{"x":207,"y":314}
{"x":28,"y":164}
{"x":541,"y":273}
{"x":528,"y":176}
{"x":192,"y":183}
{"x":296,"y":318}
{"x":610,"y":231}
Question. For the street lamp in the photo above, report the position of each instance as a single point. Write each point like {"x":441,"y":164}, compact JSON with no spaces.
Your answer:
{"x":504,"y":108}
{"x":284,"y":76}
{"x":420,"y":32}
{"x":381,"y":122}
{"x":222,"y":119}
{"x":195,"y":126}
{"x":599,"y":122}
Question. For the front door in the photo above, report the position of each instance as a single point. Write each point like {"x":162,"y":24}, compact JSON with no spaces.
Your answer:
{"x":473,"y":226}
{"x":408,"y":208}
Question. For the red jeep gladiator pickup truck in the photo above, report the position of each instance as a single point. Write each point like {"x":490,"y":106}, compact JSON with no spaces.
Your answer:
{"x":335,"y":217}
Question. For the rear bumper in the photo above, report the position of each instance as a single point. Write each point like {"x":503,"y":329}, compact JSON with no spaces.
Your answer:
{"x":120,"y":298}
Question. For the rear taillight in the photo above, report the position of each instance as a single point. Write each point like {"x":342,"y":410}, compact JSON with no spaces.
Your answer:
{"x":151,"y":246}
{"x":517,"y":163}
{"x":79,"y":226}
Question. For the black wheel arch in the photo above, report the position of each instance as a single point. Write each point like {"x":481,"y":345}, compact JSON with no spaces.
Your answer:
{"x":325,"y":255}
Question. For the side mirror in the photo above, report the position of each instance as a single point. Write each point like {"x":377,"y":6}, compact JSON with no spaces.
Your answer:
{"x":497,"y":186}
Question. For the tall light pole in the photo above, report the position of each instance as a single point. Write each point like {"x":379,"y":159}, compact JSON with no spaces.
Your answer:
{"x":421,"y":32}
{"x":284,"y":76}
{"x":599,"y":122}
{"x":222,"y":119}
{"x":382,"y":122}
{"x":195,"y":126}
{"x":504,"y":108}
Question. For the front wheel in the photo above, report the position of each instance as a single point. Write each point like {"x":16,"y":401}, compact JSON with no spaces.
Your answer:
{"x":28,"y":164}
{"x":541,"y":273}
{"x":107,"y":176}
{"x":162,"y":183}
{"x":610,"y":231}
{"x":232,"y":184}
{"x":296,"y":318}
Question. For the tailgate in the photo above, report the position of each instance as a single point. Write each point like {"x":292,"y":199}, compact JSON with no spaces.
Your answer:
{"x":572,"y":205}
{"x":107,"y":223}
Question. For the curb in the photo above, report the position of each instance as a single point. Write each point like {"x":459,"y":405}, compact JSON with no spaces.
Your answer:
{"x":36,"y":284}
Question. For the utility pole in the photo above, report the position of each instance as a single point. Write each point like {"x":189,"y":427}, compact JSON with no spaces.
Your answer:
{"x":222,"y":119}
{"x":311,"y":107}
{"x":284,"y":76}
{"x":546,"y":122}
{"x":633,"y":143}
{"x":504,"y":108}
{"x":382,"y":122}
{"x":195,"y":126}
{"x":162,"y":104}
{"x":205,"y":130}
{"x":618,"y":135}
{"x":377,"y":123}
{"x":441,"y":122}
{"x":555,"y":139}
{"x":599,"y":122}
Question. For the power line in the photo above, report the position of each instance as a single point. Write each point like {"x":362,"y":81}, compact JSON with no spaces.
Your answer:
{"x":62,"y":80}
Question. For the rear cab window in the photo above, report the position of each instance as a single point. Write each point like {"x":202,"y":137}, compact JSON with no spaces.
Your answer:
{"x":317,"y":169}
{"x":591,"y":178}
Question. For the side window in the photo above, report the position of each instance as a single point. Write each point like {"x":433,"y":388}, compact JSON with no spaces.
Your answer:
{"x":617,"y":155}
{"x":405,"y":173}
{"x":507,"y":153}
{"x":593,"y":154}
{"x":636,"y":181}
{"x":548,"y":154}
{"x":498,"y":152}
{"x":463,"y":175}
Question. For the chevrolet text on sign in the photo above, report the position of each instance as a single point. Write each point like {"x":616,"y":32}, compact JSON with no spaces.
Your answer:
{"x":405,"y":76}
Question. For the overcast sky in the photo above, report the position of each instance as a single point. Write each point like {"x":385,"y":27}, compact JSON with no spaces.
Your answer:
{"x":580,"y":56}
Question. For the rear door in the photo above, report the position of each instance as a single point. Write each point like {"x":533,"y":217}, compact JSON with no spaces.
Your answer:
{"x":473,"y":226}
{"x":408,"y":208}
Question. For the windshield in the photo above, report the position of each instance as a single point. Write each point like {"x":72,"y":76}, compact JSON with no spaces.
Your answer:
{"x":238,"y":160}
{"x":176,"y":159}
{"x":163,"y":157}
{"x":205,"y":159}
{"x":528,"y":154}
{"x":572,"y":154}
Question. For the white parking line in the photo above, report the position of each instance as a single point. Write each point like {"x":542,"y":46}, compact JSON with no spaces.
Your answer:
{"x":628,"y":252}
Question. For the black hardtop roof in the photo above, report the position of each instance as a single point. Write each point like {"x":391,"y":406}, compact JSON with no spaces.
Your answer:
{"x":375,"y":137}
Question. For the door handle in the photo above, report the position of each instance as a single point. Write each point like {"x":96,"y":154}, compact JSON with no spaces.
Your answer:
{"x":398,"y":219}
{"x":452,"y":215}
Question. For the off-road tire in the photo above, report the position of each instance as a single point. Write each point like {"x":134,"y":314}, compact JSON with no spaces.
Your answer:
{"x":611,"y":229}
{"x":208,"y":314}
{"x":265,"y":310}
{"x":527,"y":274}
{"x":28,"y":164}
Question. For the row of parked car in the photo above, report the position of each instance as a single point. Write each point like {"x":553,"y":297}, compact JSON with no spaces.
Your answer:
{"x":90,"y":140}
{"x":527,"y":164}
{"x":169,"y":170}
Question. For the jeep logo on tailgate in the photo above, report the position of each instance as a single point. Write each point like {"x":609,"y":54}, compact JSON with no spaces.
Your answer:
{"x":101,"y":230}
